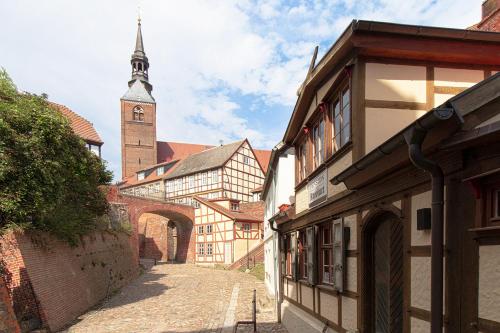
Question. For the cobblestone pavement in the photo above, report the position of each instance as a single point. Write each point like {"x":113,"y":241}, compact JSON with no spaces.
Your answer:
{"x":183,"y":298}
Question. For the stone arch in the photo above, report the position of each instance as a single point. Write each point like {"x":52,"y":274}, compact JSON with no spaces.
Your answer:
{"x":181,"y":215}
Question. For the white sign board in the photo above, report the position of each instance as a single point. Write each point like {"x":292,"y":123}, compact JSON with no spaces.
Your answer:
{"x":317,"y":189}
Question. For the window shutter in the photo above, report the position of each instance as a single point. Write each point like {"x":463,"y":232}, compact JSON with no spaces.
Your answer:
{"x":312,"y":271}
{"x":338,"y":254}
{"x":283,"y":254}
{"x":293,"y":254}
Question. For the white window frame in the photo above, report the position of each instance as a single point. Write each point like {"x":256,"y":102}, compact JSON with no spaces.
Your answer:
{"x":215,"y":176}
{"x":200,"y":230}
{"x":204,"y":177}
{"x":160,"y":171}
{"x":209,"y":229}
{"x":191,"y":181}
{"x":246,"y":160}
{"x":141,"y":175}
{"x":201,"y":248}
{"x":209,"y":249}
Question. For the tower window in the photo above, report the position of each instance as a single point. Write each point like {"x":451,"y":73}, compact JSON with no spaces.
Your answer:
{"x":140,"y":66}
{"x":138,"y":113}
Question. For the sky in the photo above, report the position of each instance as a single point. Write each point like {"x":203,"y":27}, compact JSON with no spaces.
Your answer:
{"x":220,"y":69}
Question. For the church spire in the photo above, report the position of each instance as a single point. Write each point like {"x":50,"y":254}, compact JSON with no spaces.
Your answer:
{"x":139,"y":61}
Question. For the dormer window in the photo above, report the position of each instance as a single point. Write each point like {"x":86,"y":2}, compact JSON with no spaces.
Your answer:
{"x":138,"y":114}
{"x":140,"y":176}
{"x":235,"y":206}
{"x":160,"y":170}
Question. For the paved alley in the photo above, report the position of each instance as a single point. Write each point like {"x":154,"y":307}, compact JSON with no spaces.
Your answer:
{"x":182,"y":298}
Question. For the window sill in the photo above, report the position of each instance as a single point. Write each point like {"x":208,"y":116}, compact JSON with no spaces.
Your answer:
{"x":329,"y":161}
{"x":328,"y":288}
{"x":485,"y":232}
{"x":306,"y":283}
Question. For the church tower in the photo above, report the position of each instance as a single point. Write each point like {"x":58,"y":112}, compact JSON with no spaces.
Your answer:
{"x":138,"y":115}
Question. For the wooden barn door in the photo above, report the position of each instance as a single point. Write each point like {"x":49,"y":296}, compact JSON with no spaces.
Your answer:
{"x":387,"y":277}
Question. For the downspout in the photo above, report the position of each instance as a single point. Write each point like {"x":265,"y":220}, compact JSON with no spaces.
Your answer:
{"x":278,"y":277}
{"x":414,"y":141}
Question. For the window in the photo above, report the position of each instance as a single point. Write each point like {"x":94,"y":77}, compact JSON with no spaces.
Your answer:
{"x":138,"y":113}
{"x":209,"y":228}
{"x":215,"y":177}
{"x":140,"y":176}
{"x":200,"y":230}
{"x":303,"y":254}
{"x":288,"y":256}
{"x":204,"y":178}
{"x":95,"y":149}
{"x":160,"y":170}
{"x":246,"y":226}
{"x":157,"y":188}
{"x":201,"y":248}
{"x":326,"y":253}
{"x":340,"y":113}
{"x":246,"y":160}
{"x":170,"y":186}
{"x":191,"y":181}
{"x":178,"y":184}
{"x":302,"y":160}
{"x":195,"y":204}
{"x":235,"y":206}
{"x":319,"y":143}
{"x":209,"y":249}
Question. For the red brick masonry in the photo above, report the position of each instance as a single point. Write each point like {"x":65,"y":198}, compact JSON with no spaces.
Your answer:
{"x":53,"y":283}
{"x":8,"y":322}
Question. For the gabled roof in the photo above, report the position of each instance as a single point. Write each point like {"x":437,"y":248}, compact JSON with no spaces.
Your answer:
{"x":81,"y":126}
{"x":250,"y":212}
{"x":138,"y":93}
{"x":209,"y":159}
{"x":263,"y":157}
{"x":150,"y":174}
{"x":169,"y":151}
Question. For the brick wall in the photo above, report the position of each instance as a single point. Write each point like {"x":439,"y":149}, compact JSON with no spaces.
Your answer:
{"x":491,"y":17}
{"x":8,"y":322}
{"x":55,"y":283}
{"x":153,"y":237}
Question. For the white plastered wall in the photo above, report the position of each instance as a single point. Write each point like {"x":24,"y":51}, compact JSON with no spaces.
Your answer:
{"x":489,"y":282}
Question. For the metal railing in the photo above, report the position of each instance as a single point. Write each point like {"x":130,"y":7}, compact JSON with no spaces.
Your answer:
{"x":254,"y":315}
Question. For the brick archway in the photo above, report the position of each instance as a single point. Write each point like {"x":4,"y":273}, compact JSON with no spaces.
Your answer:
{"x":181,"y":215}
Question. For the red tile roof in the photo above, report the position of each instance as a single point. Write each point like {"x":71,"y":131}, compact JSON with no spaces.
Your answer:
{"x":81,"y":126}
{"x":169,"y":151}
{"x":151,"y":174}
{"x":263,"y":157}
{"x":249,"y":211}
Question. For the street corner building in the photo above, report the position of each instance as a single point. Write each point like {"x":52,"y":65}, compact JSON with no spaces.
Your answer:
{"x":393,"y":220}
{"x":186,"y":176}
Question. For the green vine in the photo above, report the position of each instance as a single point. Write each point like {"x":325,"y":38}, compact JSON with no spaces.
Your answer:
{"x":49,"y":181}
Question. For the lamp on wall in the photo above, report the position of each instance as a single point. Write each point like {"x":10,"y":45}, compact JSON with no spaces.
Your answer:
{"x":424,"y":219}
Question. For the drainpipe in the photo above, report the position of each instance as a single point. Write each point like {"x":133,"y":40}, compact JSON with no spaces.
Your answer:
{"x":278,"y":278}
{"x":414,"y":141}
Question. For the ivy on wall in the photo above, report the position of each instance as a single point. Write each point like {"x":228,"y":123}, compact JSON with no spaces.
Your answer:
{"x":49,"y":181}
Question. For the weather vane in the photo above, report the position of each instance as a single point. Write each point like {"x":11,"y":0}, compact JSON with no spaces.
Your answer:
{"x":139,"y":13}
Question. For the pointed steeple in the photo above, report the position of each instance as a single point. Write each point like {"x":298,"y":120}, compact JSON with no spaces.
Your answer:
{"x":139,"y":61}
{"x":139,"y":45}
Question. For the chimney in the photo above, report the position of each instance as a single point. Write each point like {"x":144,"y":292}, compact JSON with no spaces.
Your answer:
{"x":489,"y":6}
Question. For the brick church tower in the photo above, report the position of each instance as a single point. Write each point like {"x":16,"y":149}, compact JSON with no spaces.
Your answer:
{"x":138,"y":115}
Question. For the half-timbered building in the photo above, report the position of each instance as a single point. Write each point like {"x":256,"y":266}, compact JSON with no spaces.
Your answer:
{"x":226,"y":229}
{"x":356,"y":247}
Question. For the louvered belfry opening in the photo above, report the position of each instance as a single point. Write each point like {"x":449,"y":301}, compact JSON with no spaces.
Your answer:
{"x":387,"y":275}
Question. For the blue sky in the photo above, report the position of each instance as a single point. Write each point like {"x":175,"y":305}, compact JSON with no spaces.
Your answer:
{"x":221,"y":70}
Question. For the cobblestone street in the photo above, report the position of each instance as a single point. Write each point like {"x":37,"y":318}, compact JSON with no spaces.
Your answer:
{"x":182,"y":298}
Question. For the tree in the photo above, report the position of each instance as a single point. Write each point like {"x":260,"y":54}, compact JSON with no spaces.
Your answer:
{"x":49,"y":181}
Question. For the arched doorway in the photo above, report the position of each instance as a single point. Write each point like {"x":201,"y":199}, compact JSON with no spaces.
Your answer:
{"x":172,"y":241}
{"x":384,"y":278}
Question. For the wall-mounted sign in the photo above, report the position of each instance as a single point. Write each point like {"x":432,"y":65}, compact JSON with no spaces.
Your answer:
{"x":317,"y":189}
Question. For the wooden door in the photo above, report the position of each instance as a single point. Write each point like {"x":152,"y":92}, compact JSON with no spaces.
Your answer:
{"x":387,"y":277}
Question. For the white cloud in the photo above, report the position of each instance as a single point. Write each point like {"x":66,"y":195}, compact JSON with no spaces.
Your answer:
{"x":205,"y":56}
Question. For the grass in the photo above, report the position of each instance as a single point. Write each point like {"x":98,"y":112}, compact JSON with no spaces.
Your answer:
{"x":257,"y":271}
